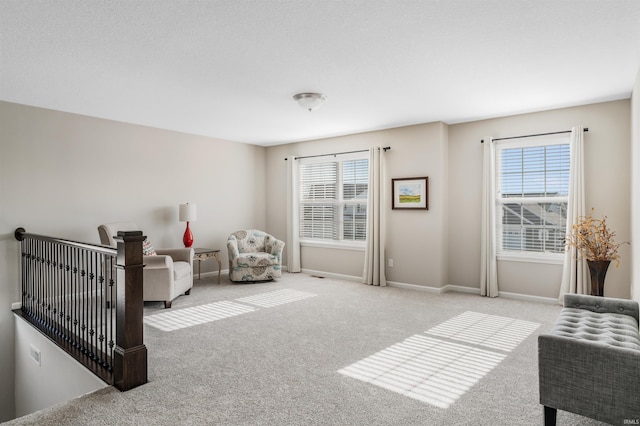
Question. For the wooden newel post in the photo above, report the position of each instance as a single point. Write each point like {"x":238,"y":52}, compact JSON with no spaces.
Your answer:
{"x":130,"y":353}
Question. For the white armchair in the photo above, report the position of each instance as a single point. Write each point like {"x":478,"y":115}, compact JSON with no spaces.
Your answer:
{"x":254,"y":256}
{"x":167,"y":273}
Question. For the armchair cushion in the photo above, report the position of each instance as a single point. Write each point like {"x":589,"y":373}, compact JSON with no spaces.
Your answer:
{"x":257,"y":258}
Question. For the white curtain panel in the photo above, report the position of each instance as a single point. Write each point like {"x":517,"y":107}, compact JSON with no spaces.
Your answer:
{"x":489,"y":264}
{"x":374,"y":273}
{"x":293,"y":219}
{"x":575,"y":272}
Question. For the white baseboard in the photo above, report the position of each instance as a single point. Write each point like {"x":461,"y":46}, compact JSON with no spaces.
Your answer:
{"x":332,"y":275}
{"x":461,"y":289}
{"x":529,"y":298}
{"x":436,"y":290}
{"x":416,"y":287}
{"x":16,"y":305}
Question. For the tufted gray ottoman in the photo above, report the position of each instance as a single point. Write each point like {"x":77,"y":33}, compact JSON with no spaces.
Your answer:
{"x":589,"y":363}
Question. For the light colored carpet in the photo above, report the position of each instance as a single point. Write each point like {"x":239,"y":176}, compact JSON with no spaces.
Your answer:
{"x":278,"y":363}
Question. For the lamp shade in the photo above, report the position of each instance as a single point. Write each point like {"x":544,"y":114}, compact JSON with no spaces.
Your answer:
{"x":187,"y":213}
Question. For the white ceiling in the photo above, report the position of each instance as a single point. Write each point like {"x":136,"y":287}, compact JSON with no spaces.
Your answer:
{"x":229,"y":68}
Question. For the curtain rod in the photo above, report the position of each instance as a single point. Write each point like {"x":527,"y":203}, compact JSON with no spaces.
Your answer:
{"x":386,"y":148}
{"x":586,"y":129}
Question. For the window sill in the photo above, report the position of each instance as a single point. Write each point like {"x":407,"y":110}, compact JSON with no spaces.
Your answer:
{"x":333,"y":245}
{"x":533,"y":258}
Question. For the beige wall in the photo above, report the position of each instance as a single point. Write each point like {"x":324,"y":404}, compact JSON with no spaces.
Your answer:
{"x":416,"y":240}
{"x":635,"y":189}
{"x":441,"y":247}
{"x":607,"y":171}
{"x":63,"y":175}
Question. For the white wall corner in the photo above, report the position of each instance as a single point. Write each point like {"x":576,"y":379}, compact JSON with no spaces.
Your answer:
{"x":635,"y":189}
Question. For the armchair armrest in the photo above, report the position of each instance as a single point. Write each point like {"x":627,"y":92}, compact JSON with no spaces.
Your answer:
{"x":232,"y":248}
{"x":278,"y":246}
{"x":602,"y":304}
{"x":178,"y":254}
{"x":157,"y":262}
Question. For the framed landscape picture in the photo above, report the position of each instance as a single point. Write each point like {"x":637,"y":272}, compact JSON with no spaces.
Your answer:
{"x":410,"y":193}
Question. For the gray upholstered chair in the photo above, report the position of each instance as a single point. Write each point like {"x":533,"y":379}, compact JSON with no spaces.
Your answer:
{"x":254,"y":256}
{"x":589,"y":364}
{"x":167,"y":273}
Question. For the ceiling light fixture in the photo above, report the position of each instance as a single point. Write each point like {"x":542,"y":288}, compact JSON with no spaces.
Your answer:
{"x":309,"y":101}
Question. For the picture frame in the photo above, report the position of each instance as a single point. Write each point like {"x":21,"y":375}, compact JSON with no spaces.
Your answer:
{"x":410,"y":193}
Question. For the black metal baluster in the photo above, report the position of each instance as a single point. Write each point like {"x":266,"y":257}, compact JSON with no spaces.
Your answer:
{"x":23,"y":271}
{"x":74,"y":297}
{"x":58,"y":290}
{"x":24,"y":274}
{"x":43,"y":284}
{"x":42,"y":280}
{"x":47,"y":286}
{"x":67,"y":305}
{"x":52,"y":288}
{"x":32,"y":278}
{"x":101,"y":312}
{"x":103,"y":304}
{"x":36,"y":281}
{"x":112,"y":310}
{"x":93,"y":333}
{"x":69,"y":290}
{"x":87,"y":304}
{"x":81,"y":302}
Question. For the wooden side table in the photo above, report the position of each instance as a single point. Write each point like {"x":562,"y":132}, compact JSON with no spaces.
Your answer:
{"x":201,"y":254}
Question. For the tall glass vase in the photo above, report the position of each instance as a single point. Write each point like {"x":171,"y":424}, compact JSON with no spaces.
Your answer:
{"x":598,"y":271}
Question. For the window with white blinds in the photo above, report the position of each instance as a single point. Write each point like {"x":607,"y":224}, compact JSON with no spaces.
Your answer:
{"x":333,"y":198}
{"x":533,"y":188}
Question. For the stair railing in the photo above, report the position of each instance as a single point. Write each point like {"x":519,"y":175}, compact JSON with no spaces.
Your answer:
{"x":88,"y":300}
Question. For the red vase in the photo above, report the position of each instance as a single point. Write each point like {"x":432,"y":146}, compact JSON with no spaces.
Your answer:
{"x":187,"y":239}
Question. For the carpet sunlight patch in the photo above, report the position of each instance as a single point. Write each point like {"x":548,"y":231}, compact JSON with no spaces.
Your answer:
{"x":274,"y":298}
{"x":439,"y":367}
{"x":490,"y":331}
{"x":182,"y":318}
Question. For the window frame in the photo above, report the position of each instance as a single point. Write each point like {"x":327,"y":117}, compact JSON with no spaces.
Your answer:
{"x":339,"y":202}
{"x":525,"y":256}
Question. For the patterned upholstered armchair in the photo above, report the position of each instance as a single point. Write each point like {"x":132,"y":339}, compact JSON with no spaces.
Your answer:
{"x":254,"y":256}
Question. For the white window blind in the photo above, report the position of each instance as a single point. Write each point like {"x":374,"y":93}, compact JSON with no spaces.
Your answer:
{"x":333,"y":198}
{"x":533,"y":184}
{"x":355,"y":181}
